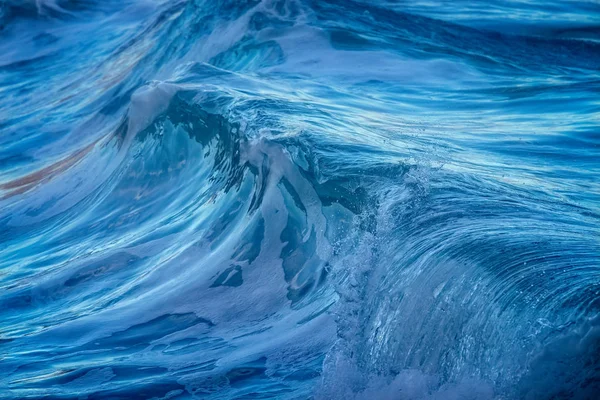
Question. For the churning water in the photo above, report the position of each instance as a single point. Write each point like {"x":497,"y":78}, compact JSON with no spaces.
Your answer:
{"x":300,"y":199}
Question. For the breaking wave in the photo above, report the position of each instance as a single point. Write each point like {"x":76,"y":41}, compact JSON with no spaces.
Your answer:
{"x":285,"y":199}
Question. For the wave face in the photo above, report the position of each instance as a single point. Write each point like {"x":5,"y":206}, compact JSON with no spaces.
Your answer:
{"x":299,"y":199}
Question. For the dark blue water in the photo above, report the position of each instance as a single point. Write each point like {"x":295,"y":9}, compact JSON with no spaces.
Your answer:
{"x":300,"y":199}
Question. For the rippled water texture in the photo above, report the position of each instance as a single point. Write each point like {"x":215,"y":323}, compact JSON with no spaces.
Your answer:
{"x":300,"y":199}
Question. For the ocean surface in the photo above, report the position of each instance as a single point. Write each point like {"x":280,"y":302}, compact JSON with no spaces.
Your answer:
{"x":287,"y":199}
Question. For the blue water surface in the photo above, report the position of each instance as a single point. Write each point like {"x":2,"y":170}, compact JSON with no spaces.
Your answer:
{"x":299,"y":199}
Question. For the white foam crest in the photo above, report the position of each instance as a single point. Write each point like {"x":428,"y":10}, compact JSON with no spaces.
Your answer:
{"x":147,"y":103}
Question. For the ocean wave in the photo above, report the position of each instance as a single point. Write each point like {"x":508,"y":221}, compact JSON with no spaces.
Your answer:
{"x":298,"y":199}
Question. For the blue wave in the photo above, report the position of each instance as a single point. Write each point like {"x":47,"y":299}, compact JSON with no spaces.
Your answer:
{"x":299,"y":199}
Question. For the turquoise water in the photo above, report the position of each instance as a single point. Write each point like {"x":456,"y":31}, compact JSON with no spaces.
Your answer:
{"x":299,"y":199}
